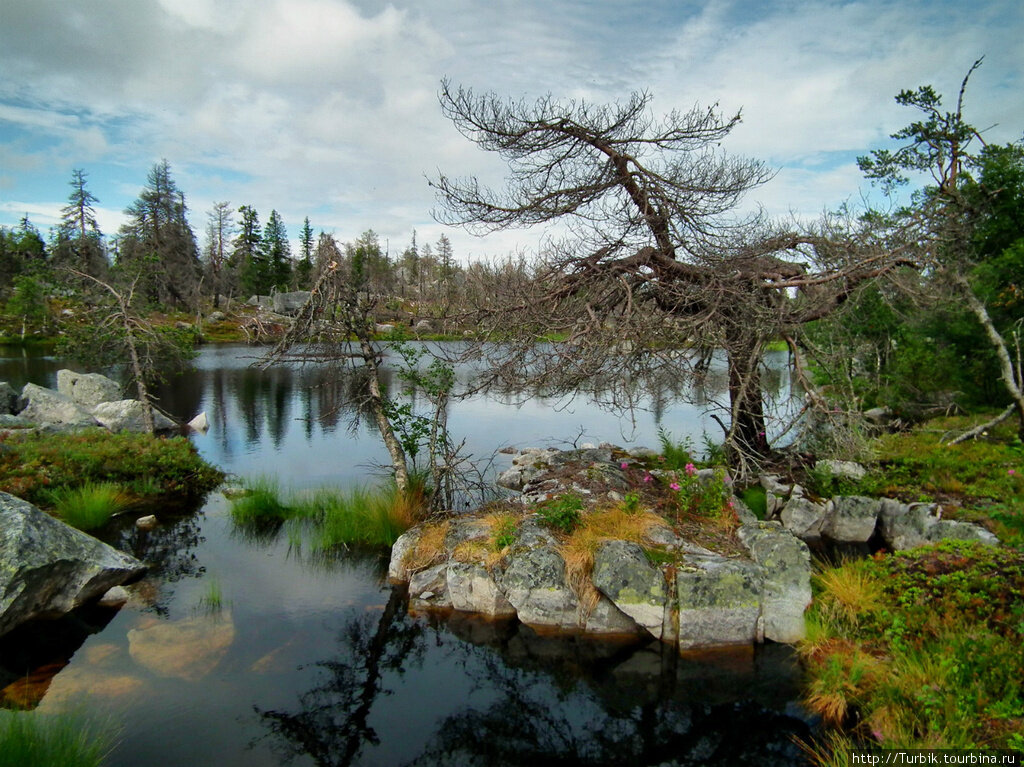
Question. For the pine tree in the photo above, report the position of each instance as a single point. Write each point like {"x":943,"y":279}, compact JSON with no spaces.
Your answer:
{"x":278,"y":253}
{"x":79,"y":242}
{"x":248,"y":257}
{"x":220,"y":225}
{"x":157,"y":246}
{"x":303,"y":275}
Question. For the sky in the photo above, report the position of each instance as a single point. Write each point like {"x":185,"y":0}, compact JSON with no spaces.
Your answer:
{"x":329,"y":109}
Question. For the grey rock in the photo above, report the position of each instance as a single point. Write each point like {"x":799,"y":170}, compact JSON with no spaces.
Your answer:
{"x":607,"y":619}
{"x":472,"y":588}
{"x":842,"y":469}
{"x":785,"y":563}
{"x":215,"y":317}
{"x":879,"y":416}
{"x":918,"y":524}
{"x":8,"y":421}
{"x":534,"y":583}
{"x":126,"y":415}
{"x":148,"y":522}
{"x":48,"y":568}
{"x":425,"y":326}
{"x":290,"y":303}
{"x":511,"y":479}
{"x":47,"y":406}
{"x":263,"y":302}
{"x":429,"y":588}
{"x":957,"y":530}
{"x":400,"y":551}
{"x":384,"y":328}
{"x":200,"y":423}
{"x":804,"y":517}
{"x":719,"y":602}
{"x":8,"y":398}
{"x":852,"y":519}
{"x":116,"y":597}
{"x":87,"y":389}
{"x":624,"y":575}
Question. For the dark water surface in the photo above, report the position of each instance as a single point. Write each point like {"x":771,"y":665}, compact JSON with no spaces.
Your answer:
{"x":243,"y":651}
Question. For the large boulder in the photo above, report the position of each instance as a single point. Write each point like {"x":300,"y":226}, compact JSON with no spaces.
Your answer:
{"x":46,"y":406}
{"x":87,"y":389}
{"x":535,"y":584}
{"x":472,"y":588}
{"x":785,"y":563}
{"x":624,"y":575}
{"x":852,"y":519}
{"x":126,"y":415}
{"x":907,"y":526}
{"x":804,"y":517}
{"x":8,"y":399}
{"x":48,"y":568}
{"x":290,"y":303}
{"x":719,"y":602}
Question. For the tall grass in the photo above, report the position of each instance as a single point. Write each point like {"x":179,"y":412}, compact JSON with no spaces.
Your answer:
{"x":676,"y":454}
{"x":41,"y":740}
{"x":90,"y":505}
{"x":330,"y":517}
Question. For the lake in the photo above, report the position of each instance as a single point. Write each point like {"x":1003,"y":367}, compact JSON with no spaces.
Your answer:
{"x":243,"y":650}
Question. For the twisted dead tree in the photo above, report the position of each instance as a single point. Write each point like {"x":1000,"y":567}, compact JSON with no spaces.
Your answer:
{"x":656,"y":271}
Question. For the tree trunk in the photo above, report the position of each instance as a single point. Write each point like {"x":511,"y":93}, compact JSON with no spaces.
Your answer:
{"x":746,"y":438}
{"x":394,"y":447}
{"x":1006,"y":370}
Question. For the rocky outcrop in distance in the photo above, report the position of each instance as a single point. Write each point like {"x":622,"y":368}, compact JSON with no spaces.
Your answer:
{"x":82,"y":400}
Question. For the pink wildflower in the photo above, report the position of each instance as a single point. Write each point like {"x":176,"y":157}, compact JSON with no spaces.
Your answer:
{"x":1011,"y":472}
{"x":690,"y":469}
{"x":648,"y":477}
{"x":727,"y":479}
{"x":674,"y":485}
{"x":623,"y":465}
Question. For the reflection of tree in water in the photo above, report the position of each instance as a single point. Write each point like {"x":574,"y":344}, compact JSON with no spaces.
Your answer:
{"x":548,"y":702}
{"x":168,"y":549}
{"x":332,"y":723}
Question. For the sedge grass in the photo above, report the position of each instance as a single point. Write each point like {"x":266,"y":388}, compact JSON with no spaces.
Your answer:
{"x":91,"y":505}
{"x":68,"y":740}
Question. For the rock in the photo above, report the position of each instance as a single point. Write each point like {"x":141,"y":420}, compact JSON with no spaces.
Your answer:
{"x":46,"y":406}
{"x":511,"y":479}
{"x":842,"y":469}
{"x":852,"y":519}
{"x":149,"y":522}
{"x":535,"y":584}
{"x":48,"y":568}
{"x":624,"y":575}
{"x":400,"y":550}
{"x":87,"y":389}
{"x":8,"y":398}
{"x":186,"y":649}
{"x":804,"y":517}
{"x":719,"y":602}
{"x":290,"y":303}
{"x":182,"y":325}
{"x":8,"y":421}
{"x":472,"y":588}
{"x":383,"y":328}
{"x":909,"y":526}
{"x":114,"y":598}
{"x":200,"y":423}
{"x":879,"y":416}
{"x":126,"y":415}
{"x":215,"y":317}
{"x":424,"y":326}
{"x":785,"y":563}
{"x":263,"y":302}
{"x":429,"y":587}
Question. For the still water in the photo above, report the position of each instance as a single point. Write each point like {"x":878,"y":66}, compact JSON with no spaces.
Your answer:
{"x":242,"y":651}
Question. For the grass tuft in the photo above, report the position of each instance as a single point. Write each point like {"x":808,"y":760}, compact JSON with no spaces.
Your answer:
{"x":91,"y":505}
{"x":68,"y":740}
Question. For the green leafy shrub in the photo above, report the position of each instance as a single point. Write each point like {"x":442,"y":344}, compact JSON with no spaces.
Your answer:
{"x":505,"y":532}
{"x":676,"y":454}
{"x":149,"y":468}
{"x":562,"y":513}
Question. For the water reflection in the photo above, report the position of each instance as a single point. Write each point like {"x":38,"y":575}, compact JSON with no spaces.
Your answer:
{"x":536,"y":700}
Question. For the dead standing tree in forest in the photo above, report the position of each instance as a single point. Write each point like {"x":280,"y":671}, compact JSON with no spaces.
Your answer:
{"x":657,"y":271}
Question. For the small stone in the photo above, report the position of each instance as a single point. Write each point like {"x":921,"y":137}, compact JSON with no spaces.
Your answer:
{"x":200,"y":423}
{"x":146,"y":523}
{"x":114,"y":598}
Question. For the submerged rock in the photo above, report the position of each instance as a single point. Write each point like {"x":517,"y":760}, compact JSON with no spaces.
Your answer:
{"x":187,"y":649}
{"x":48,"y":568}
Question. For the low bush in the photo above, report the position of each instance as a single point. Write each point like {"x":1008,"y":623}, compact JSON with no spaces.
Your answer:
{"x":148,"y":468}
{"x":90,"y":505}
{"x":562,"y":513}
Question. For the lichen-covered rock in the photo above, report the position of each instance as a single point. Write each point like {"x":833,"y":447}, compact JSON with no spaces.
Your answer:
{"x":719,"y":602}
{"x":126,"y":415}
{"x":843,"y":469}
{"x":534,"y":583}
{"x":624,"y":575}
{"x":48,"y":568}
{"x":429,"y":587}
{"x":472,"y":588}
{"x":8,"y":398}
{"x":906,"y":526}
{"x":804,"y":517}
{"x":785,"y":563}
{"x":41,"y":405}
{"x":400,"y":551}
{"x":87,"y":389}
{"x":290,"y":303}
{"x":852,"y":519}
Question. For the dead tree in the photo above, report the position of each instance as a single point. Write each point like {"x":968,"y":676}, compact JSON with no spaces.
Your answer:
{"x":656,"y":270}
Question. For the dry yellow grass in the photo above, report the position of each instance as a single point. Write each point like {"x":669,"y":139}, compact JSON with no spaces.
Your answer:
{"x":847,"y":593}
{"x":429,"y":549}
{"x":612,"y":524}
